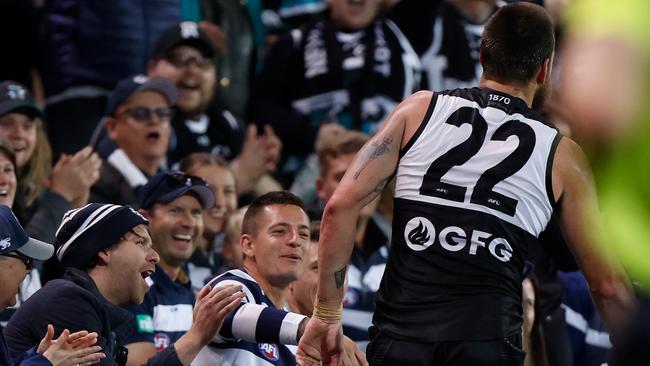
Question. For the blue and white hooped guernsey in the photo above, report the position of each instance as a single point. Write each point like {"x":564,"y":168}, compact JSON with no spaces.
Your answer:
{"x":359,"y":299}
{"x":256,"y":333}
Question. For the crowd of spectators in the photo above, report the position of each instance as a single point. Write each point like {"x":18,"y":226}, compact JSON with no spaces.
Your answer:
{"x":170,"y":117}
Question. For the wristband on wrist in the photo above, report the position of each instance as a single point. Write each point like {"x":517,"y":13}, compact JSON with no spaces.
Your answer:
{"x":328,"y":310}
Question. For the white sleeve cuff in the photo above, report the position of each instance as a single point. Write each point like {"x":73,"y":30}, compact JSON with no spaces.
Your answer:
{"x":289,"y":328}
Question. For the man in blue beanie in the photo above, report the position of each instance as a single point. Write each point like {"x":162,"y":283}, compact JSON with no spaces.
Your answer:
{"x":107,"y":253}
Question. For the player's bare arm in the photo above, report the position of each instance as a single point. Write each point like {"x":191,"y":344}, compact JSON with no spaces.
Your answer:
{"x":369,"y":173}
{"x":574,"y":189}
{"x":371,"y":169}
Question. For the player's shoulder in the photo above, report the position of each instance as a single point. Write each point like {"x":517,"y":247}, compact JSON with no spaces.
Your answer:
{"x":568,"y":150}
{"x":416,"y":104}
{"x":422,"y":96}
{"x":570,"y":167}
{"x":569,"y":158}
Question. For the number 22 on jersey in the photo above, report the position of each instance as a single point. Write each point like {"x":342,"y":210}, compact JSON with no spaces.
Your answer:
{"x":483,"y":193}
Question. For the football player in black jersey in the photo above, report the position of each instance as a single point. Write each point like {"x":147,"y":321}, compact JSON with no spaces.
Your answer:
{"x":478,"y":176}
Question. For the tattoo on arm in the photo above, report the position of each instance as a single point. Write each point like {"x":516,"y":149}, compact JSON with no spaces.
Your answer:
{"x":377,"y":190}
{"x":339,"y":277}
{"x":380,"y":149}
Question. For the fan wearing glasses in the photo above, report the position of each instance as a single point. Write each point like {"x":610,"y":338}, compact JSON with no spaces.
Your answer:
{"x":185,"y":55}
{"x":138,"y":128}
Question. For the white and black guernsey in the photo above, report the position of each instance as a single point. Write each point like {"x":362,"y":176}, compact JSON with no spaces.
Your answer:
{"x":473,"y":188}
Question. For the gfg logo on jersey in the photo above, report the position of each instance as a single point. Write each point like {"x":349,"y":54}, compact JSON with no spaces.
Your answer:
{"x":419,"y":234}
{"x":269,"y":351}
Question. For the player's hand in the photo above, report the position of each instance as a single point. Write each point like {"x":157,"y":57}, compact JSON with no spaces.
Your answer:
{"x":352,"y":354}
{"x":321,"y":342}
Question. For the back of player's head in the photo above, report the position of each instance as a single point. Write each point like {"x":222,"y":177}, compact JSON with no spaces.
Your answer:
{"x":272,"y":198}
{"x":516,"y":41}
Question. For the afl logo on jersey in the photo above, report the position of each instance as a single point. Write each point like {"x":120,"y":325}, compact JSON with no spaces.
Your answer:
{"x":419,"y":233}
{"x":351,"y":298}
{"x":161,"y":341}
{"x":269,"y":351}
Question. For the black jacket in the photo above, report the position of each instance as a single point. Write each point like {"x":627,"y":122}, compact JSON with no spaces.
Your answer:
{"x":74,"y":303}
{"x":112,"y":187}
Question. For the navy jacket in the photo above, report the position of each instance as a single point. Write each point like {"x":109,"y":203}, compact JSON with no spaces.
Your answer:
{"x":99,"y":42}
{"x":74,"y":303}
{"x":29,"y":358}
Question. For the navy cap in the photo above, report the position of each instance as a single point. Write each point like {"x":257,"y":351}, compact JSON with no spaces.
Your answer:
{"x":185,"y":33}
{"x":14,"y":96}
{"x":135,"y":84}
{"x":86,"y":231}
{"x":166,"y":187}
{"x":14,"y":238}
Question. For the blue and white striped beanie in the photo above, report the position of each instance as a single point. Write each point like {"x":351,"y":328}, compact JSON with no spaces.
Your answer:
{"x":86,"y":231}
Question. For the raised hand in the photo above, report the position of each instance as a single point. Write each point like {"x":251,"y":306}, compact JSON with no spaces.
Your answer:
{"x":217,"y":36}
{"x":70,"y":349}
{"x":273,"y":148}
{"x":72,"y":176}
{"x":253,"y":160}
{"x":210,"y":309}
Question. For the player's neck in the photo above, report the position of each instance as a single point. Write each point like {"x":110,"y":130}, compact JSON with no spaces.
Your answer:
{"x":526,"y":93}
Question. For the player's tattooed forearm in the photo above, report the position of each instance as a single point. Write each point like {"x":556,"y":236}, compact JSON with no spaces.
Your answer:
{"x":339,"y":277}
{"x":380,"y":149}
{"x":382,"y":183}
{"x":377,"y":190}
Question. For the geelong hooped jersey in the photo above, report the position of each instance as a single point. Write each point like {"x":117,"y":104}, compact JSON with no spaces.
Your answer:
{"x":473,"y":188}
{"x":254,"y":334}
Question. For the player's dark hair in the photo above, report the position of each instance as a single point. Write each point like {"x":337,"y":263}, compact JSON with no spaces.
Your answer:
{"x":272,"y":198}
{"x":516,"y":41}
